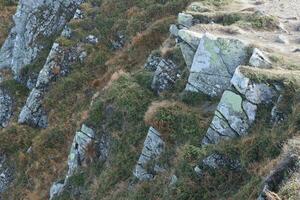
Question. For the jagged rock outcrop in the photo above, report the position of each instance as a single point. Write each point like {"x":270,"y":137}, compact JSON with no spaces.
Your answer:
{"x":6,"y":175}
{"x":5,"y":107}
{"x":214,"y":64}
{"x":237,"y":108}
{"x":58,"y":64}
{"x":217,"y":161}
{"x":76,"y":158}
{"x":35,"y":23}
{"x":153,"y":148}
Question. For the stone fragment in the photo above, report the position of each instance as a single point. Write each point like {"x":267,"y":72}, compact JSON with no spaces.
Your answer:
{"x":153,"y":148}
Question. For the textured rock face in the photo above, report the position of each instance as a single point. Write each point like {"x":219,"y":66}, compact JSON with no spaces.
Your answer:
{"x":237,"y":108}
{"x":77,"y":155}
{"x":5,"y":174}
{"x":165,"y":76}
{"x":189,"y":44}
{"x":5,"y":108}
{"x":258,"y":59}
{"x":76,"y":158}
{"x":58,"y":63}
{"x":165,"y":73}
{"x":214,"y":64}
{"x":36,"y":22}
{"x":217,"y":161}
{"x":153,"y":147}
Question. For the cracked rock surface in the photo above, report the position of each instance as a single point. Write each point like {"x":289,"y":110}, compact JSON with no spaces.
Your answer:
{"x":214,"y":64}
{"x":35,"y":23}
{"x":153,"y":147}
{"x":237,"y":108}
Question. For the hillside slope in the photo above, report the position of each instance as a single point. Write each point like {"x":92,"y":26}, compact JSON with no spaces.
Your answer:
{"x":148,"y":99}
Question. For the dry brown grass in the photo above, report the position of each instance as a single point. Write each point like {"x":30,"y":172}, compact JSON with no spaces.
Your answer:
{"x":154,"y":108}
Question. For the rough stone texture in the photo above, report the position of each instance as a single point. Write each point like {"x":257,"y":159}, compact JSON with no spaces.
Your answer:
{"x":58,"y":64}
{"x":217,"y":161}
{"x":77,"y":156}
{"x":189,"y":43}
{"x":185,"y":20}
{"x":153,"y":147}
{"x":192,"y":38}
{"x":152,"y":62}
{"x":35,"y":22}
{"x":277,"y":176}
{"x":237,"y":108}
{"x":258,"y":59}
{"x":5,"y":174}
{"x":174,"y":30}
{"x":165,"y":76}
{"x":214,"y":64}
{"x":5,"y":108}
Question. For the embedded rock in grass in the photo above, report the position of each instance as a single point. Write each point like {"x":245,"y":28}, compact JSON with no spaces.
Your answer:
{"x":152,"y":62}
{"x":198,"y":7}
{"x":6,"y":174}
{"x":36,"y":23}
{"x":189,"y":43}
{"x":237,"y":108}
{"x":5,"y":108}
{"x":119,"y":41}
{"x":258,"y":59}
{"x":92,"y":39}
{"x":76,"y":158}
{"x":217,"y":161}
{"x":153,"y":148}
{"x":58,"y":64}
{"x":82,"y":140}
{"x":214,"y":64}
{"x":165,"y":76}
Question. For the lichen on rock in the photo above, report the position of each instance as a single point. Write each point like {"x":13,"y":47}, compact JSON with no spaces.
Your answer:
{"x":214,"y":64}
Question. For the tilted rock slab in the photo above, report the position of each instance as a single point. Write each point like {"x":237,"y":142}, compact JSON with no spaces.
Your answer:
{"x":5,"y":108}
{"x":214,"y":64}
{"x":153,"y":148}
{"x":237,"y":108}
{"x":58,"y":63}
{"x":77,"y":156}
{"x":35,"y":22}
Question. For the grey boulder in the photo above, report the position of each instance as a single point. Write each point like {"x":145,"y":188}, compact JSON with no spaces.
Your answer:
{"x":214,"y":64}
